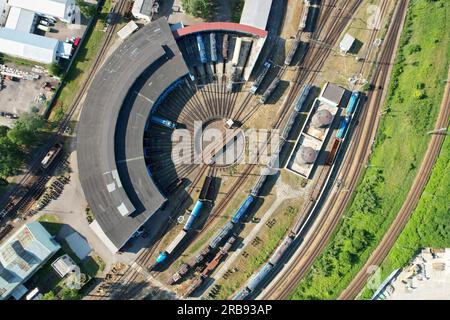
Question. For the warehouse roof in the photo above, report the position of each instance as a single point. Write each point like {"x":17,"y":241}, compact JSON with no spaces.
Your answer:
{"x":256,"y":13}
{"x":113,"y":172}
{"x":55,"y":8}
{"x":20,"y":19}
{"x":22,"y":255}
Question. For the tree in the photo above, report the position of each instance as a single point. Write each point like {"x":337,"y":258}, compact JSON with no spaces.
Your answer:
{"x":197,"y":8}
{"x":25,"y":129}
{"x":49,"y":296}
{"x":86,"y":9}
{"x":11,"y":157}
{"x":69,"y":294}
{"x":56,"y":70}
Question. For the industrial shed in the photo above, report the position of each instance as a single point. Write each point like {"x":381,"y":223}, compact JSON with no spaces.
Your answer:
{"x":21,"y":20}
{"x":28,"y":46}
{"x":61,"y":9}
{"x":256,"y":13}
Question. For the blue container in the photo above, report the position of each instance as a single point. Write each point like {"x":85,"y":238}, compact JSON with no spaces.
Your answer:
{"x":161,"y":258}
{"x":343,"y":128}
{"x":193,"y":216}
{"x":242,"y":209}
{"x":352,"y":103}
{"x":201,"y":49}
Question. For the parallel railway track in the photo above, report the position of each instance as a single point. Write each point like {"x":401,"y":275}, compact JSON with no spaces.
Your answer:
{"x":355,"y":157}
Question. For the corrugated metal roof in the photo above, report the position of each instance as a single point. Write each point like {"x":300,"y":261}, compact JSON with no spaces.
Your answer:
{"x":29,"y":39}
{"x":256,"y":13}
{"x":20,"y":19}
{"x":22,"y":254}
{"x":56,"y":8}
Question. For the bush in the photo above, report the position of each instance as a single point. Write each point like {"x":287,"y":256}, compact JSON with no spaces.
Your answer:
{"x":197,"y":8}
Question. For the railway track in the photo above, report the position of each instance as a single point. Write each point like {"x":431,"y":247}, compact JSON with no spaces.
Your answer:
{"x":34,"y":180}
{"x":355,"y":157}
{"x":388,"y":241}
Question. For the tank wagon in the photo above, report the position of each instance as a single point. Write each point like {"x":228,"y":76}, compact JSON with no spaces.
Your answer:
{"x":207,"y":185}
{"x":270,"y":90}
{"x":201,"y":49}
{"x":260,"y":78}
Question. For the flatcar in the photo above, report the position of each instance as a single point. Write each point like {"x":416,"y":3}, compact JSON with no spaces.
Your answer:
{"x":260,"y":78}
{"x":270,"y":90}
{"x":242,"y":209}
{"x":213,"y":44}
{"x":292,"y":52}
{"x":51,"y":155}
{"x":201,"y":49}
{"x":163,"y":122}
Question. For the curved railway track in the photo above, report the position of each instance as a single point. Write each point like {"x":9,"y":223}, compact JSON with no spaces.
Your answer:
{"x":388,"y":241}
{"x":350,"y":171}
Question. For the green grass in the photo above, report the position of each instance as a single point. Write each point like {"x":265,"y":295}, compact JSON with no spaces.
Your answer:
{"x":259,"y":254}
{"x":429,"y":225}
{"x":5,"y":59}
{"x":78,"y":72}
{"x":414,"y":97}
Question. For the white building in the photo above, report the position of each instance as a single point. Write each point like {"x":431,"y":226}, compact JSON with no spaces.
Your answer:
{"x":143,"y":9}
{"x":28,"y":46}
{"x":346,"y":43}
{"x":61,"y":9}
{"x":21,"y":20}
{"x":256,"y":13}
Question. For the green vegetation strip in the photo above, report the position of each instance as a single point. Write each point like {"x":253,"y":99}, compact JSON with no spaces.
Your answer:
{"x":413,"y":101}
{"x":81,"y":67}
{"x":429,"y":225}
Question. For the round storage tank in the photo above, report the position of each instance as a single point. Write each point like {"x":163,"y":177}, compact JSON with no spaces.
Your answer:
{"x":306,"y":155}
{"x":322,"y":118}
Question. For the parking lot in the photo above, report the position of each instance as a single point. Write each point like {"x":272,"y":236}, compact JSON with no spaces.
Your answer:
{"x":63,"y":31}
{"x":20,"y":95}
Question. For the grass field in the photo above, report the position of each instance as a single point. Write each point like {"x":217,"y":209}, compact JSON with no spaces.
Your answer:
{"x":429,"y":225}
{"x":414,"y":97}
{"x":78,"y":72}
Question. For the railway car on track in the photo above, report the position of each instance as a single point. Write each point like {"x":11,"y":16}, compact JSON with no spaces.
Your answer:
{"x":352,"y":103}
{"x":343,"y":126}
{"x":280,"y":251}
{"x":242,"y":211}
{"x":292,"y":52}
{"x":193,"y":216}
{"x":51,"y":155}
{"x":332,"y":155}
{"x":270,"y":90}
{"x":225,"y":46}
{"x":237,"y":52}
{"x":303,"y":20}
{"x":302,"y":97}
{"x":201,"y":49}
{"x":163,"y":122}
{"x":205,"y":188}
{"x":221,"y":235}
{"x":260,"y":78}
{"x":257,"y":278}
{"x":213,"y":44}
{"x":170,"y":248}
